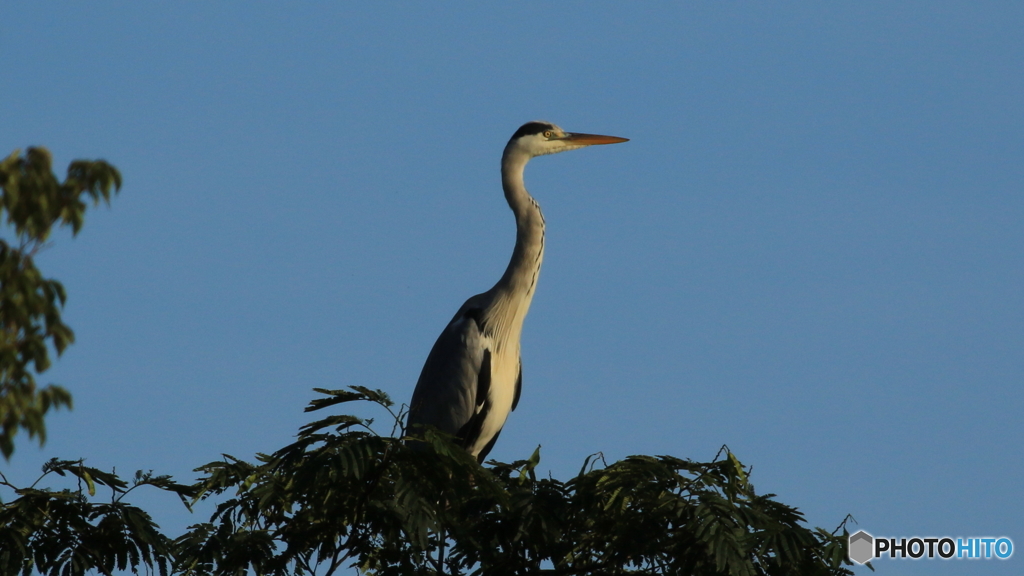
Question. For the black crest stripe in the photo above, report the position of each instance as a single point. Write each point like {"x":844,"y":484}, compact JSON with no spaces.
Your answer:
{"x":532,"y":128}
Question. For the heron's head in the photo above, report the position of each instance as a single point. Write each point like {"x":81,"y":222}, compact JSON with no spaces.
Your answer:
{"x":538,"y":138}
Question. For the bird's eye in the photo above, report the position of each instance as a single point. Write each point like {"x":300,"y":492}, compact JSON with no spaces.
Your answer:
{"x":547,"y":134}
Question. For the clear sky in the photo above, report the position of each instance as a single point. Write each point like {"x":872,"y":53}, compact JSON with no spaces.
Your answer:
{"x":810,"y":250}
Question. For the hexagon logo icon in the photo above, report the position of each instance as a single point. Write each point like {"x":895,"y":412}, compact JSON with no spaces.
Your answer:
{"x":861,"y":545}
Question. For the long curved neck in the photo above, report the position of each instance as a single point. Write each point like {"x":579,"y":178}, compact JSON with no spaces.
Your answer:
{"x":514,"y":292}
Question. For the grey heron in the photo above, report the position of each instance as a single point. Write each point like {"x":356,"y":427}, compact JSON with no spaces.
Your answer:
{"x":473,"y":376}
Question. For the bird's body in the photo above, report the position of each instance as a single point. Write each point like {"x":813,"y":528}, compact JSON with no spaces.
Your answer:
{"x":472,"y":378}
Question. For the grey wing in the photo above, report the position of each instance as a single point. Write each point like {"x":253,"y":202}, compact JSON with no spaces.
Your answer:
{"x":519,"y":386}
{"x":451,"y":393}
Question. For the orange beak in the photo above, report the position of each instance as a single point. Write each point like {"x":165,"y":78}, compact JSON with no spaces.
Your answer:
{"x":590,"y":139}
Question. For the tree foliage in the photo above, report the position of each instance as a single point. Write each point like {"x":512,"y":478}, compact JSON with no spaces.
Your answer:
{"x":68,"y":532}
{"x":344,"y":495}
{"x":33,"y":202}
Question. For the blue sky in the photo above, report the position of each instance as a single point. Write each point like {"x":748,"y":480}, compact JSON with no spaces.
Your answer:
{"x":810,"y":250}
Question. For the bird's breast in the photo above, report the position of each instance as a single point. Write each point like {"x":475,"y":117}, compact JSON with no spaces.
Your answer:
{"x":500,"y":395}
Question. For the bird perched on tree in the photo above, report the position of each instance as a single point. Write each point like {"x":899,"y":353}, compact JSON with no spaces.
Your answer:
{"x":473,"y":376}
